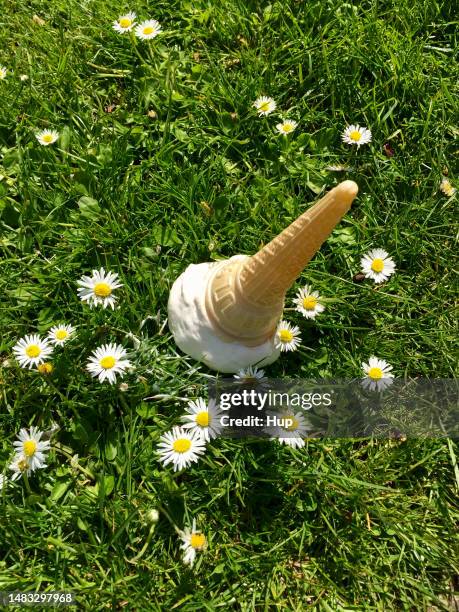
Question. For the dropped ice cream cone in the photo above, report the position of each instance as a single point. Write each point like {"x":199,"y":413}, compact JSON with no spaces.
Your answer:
{"x":226,"y":313}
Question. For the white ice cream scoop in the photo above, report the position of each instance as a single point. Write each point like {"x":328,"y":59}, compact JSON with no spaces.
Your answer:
{"x":225,"y":314}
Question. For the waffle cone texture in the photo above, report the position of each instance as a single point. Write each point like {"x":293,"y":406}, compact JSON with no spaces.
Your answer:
{"x":245,"y":297}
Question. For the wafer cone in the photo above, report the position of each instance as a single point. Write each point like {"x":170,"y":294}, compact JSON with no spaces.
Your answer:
{"x":245,"y":297}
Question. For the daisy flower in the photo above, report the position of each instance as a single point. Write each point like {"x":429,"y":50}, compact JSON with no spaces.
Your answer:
{"x":291,"y":428}
{"x":47,"y":137}
{"x":29,"y":445}
{"x":203,"y":418}
{"x":125,"y":23}
{"x":286,"y":127}
{"x":356,"y":135}
{"x":148,"y":29}
{"x":378,"y":374}
{"x":264,"y":105}
{"x":447,"y":188}
{"x":287,"y":337}
{"x":59,"y":334}
{"x":98,"y":288}
{"x":3,"y":72}
{"x":107,"y":361}
{"x":181,"y":447}
{"x":45,"y":368}
{"x":32,"y":350}
{"x":377,"y":264}
{"x":308,"y":302}
{"x":20,"y":465}
{"x":192,"y":540}
{"x":251,"y":375}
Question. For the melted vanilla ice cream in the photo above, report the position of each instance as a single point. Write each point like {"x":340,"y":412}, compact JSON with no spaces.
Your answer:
{"x":194,"y":333}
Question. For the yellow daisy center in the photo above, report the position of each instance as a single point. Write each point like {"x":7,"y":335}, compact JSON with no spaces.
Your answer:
{"x":447,"y":188}
{"x":29,"y":446}
{"x":355,"y":136}
{"x":148,"y":30}
{"x":294,"y":424}
{"x":198,"y":540}
{"x":61,"y":334}
{"x":33,"y":350}
{"x":203,"y":418}
{"x":375,"y":373}
{"x":125,"y":22}
{"x":45,"y":368}
{"x":377,"y":265}
{"x":182,"y":445}
{"x":107,"y":362}
{"x":287,"y":127}
{"x":23,"y":465}
{"x":102,"y":289}
{"x":285,"y":335}
{"x":309,"y":302}
{"x":264,"y":106}
{"x":47,"y":137}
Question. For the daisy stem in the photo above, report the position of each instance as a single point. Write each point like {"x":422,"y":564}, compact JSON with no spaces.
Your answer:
{"x":169,"y":518}
{"x":136,"y":50}
{"x":27,"y":484}
{"x":150,"y":53}
{"x":60,"y":394}
{"x":144,"y":547}
{"x":285,"y":144}
{"x":58,"y":448}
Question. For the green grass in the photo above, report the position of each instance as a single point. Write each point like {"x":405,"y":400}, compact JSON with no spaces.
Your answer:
{"x":339,"y":525}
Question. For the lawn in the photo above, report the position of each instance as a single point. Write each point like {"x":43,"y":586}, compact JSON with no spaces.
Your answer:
{"x":163,"y":161}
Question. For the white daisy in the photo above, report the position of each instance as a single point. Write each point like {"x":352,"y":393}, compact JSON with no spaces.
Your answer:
{"x":32,"y":350}
{"x":447,"y":188}
{"x":98,"y":288}
{"x":378,"y":374}
{"x":251,"y":375}
{"x":23,"y":77}
{"x":148,"y":29}
{"x":203,"y":418}
{"x":308,"y":302}
{"x":181,"y":447}
{"x":356,"y":135}
{"x":47,"y":137}
{"x":125,"y":23}
{"x":287,"y":337}
{"x":107,"y":361}
{"x":59,"y":334}
{"x":192,"y":540}
{"x":286,"y":127}
{"x":264,"y":105}
{"x":29,"y":445}
{"x":377,"y":264}
{"x":20,"y":465}
{"x":3,"y":72}
{"x":292,"y":427}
